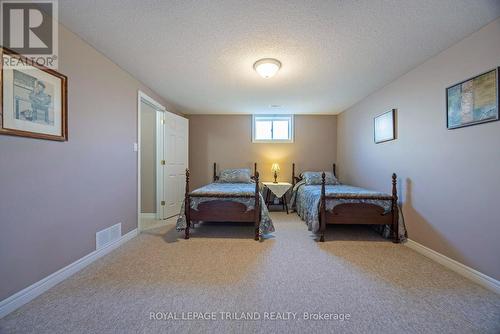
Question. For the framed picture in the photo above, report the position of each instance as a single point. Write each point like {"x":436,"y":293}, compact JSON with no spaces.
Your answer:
{"x":473,"y":101}
{"x":33,"y":99}
{"x":385,"y":127}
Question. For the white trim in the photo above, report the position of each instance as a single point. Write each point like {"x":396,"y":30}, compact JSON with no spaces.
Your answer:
{"x":142,"y":97}
{"x":149,"y":100}
{"x":28,"y":294}
{"x":486,"y":281}
{"x":139,"y":99}
{"x":159,"y":168}
{"x":150,"y":216}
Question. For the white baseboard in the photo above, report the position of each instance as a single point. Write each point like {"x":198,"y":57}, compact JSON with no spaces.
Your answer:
{"x":486,"y":281}
{"x":150,"y":216}
{"x":28,"y":294}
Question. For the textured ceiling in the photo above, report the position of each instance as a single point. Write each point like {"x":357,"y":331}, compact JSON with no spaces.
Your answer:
{"x":198,"y":55}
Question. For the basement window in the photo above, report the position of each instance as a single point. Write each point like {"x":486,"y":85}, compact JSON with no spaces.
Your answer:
{"x":272,"y":129}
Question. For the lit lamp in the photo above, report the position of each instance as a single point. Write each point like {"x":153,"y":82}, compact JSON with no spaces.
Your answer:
{"x":275,"y":169}
{"x":267,"y":67}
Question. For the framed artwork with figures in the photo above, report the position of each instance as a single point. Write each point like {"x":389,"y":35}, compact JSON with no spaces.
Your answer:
{"x":33,"y":102}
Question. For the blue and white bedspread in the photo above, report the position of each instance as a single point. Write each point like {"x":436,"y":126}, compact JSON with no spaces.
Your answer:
{"x":266,"y":224}
{"x":305,"y":200}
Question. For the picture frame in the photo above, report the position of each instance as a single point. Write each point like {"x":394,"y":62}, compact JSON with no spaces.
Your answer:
{"x":384,"y":127}
{"x":473,"y":101}
{"x":33,"y":99}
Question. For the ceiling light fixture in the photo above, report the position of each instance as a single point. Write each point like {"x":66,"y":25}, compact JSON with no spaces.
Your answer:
{"x":267,"y":67}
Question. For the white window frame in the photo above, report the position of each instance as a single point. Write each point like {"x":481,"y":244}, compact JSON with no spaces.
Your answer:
{"x":290,"y":120}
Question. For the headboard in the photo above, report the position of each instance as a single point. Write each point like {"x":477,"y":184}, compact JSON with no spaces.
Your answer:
{"x":216,"y":177}
{"x":298,"y":178}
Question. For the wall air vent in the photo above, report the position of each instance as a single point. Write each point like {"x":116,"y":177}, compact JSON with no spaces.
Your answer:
{"x":108,"y":235}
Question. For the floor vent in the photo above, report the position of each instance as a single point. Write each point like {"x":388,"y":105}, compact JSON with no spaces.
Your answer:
{"x":108,"y":235}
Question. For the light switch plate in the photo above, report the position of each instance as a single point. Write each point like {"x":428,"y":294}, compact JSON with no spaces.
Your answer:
{"x":136,"y":147}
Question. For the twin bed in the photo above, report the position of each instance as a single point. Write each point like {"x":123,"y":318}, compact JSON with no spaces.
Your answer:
{"x":318,"y":198}
{"x":234,"y":196}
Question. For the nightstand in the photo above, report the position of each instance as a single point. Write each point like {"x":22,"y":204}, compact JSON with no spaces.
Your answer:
{"x":279,"y":190}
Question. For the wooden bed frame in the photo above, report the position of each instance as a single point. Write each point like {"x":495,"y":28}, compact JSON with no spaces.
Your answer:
{"x":220,"y":210}
{"x":356,"y":213}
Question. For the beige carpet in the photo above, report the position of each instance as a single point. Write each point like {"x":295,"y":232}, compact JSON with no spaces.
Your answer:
{"x":385,"y":288}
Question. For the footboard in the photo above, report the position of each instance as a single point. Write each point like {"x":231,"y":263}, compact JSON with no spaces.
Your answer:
{"x":360,"y":213}
{"x":221,"y":210}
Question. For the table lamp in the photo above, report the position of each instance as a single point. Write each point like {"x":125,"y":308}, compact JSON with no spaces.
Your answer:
{"x":275,"y":169}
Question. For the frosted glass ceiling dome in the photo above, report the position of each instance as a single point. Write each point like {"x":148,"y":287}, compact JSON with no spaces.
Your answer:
{"x":267,"y":67}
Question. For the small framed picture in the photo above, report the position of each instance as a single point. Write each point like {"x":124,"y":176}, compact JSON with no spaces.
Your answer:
{"x":473,"y":101}
{"x":385,"y":127}
{"x":33,"y":102}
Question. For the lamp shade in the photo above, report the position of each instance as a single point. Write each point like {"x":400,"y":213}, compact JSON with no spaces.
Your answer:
{"x":275,"y":167}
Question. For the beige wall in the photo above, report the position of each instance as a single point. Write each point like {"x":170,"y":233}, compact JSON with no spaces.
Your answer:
{"x":54,"y":196}
{"x":227,"y":140}
{"x":449,"y":179}
{"x":148,"y":157}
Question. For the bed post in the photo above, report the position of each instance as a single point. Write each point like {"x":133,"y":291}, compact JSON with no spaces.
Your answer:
{"x":215,"y":172}
{"x":293,"y":174}
{"x":334,"y":173}
{"x":322,"y":212}
{"x":187,"y":206}
{"x":257,"y":207}
{"x":254,"y":168}
{"x":395,"y":210}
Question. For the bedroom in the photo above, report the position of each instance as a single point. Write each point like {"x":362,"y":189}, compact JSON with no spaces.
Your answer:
{"x":138,"y":167}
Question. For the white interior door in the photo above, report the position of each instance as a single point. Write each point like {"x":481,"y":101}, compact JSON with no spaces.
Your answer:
{"x":176,"y":162}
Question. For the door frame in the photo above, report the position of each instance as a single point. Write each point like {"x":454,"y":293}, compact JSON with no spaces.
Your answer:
{"x":143,"y":97}
{"x":160,"y":172}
